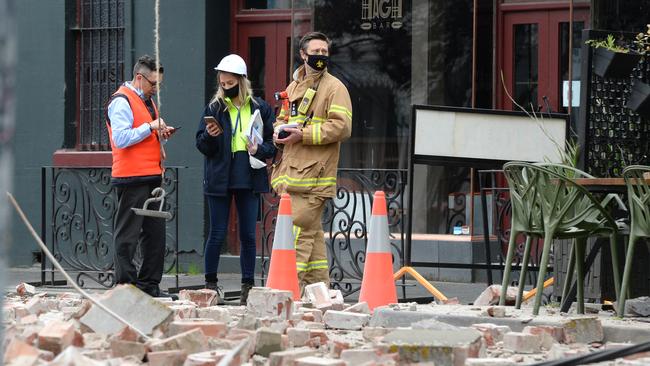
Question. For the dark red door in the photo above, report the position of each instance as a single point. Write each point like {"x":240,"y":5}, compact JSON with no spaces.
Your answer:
{"x":534,"y":55}
{"x":263,"y":38}
{"x":265,"y":47}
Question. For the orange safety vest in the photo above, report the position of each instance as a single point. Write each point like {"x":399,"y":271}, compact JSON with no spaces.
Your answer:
{"x":139,"y":159}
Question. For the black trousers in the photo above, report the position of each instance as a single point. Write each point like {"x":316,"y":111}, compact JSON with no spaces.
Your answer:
{"x":131,"y":230}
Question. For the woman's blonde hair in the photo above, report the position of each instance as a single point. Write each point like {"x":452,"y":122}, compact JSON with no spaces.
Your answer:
{"x":245,"y":90}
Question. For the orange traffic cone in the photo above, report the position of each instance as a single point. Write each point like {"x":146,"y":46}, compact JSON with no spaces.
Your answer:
{"x":283,"y":274}
{"x":378,"y":285}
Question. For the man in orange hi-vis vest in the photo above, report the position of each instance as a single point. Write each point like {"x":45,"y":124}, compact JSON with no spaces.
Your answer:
{"x":320,"y":112}
{"x":136,"y":133}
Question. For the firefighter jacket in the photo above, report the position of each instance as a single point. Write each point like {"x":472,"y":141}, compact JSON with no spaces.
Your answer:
{"x":310,"y":166}
{"x":143,"y":158}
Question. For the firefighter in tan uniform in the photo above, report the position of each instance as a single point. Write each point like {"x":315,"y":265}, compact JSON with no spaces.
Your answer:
{"x":320,"y":106}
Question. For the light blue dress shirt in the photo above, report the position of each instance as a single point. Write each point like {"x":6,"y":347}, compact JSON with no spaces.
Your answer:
{"x":121,"y":117}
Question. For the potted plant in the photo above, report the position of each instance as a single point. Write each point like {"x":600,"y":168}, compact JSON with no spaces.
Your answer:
{"x":639,"y":100}
{"x":611,"y":60}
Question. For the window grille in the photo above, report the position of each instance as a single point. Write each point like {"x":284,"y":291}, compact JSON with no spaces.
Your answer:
{"x":100,"y":67}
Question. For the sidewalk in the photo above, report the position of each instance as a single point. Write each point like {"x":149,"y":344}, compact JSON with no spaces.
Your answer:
{"x":465,"y":292}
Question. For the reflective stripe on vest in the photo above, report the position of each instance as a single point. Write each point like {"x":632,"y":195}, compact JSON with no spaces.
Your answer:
{"x":139,"y":159}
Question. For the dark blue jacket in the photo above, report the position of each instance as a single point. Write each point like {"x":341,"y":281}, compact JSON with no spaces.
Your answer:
{"x":219,"y":160}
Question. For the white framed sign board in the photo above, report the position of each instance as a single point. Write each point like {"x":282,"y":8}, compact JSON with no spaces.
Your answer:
{"x":474,"y":135}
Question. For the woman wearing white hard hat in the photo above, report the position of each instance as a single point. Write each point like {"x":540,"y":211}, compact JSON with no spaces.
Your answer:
{"x":234,"y":166}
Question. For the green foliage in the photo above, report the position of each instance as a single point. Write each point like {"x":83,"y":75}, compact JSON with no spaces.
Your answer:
{"x":570,"y":154}
{"x":609,"y":43}
{"x":193,"y":269}
{"x":642,"y":42}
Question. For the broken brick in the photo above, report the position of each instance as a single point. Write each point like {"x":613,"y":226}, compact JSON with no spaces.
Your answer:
{"x":202,"y":298}
{"x":167,"y":358}
{"x":192,"y":341}
{"x":56,"y":336}
{"x":209,"y":327}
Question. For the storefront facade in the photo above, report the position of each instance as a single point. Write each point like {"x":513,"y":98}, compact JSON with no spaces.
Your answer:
{"x":391,"y":54}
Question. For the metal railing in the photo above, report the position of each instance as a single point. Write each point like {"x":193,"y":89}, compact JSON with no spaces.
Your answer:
{"x":77,"y":211}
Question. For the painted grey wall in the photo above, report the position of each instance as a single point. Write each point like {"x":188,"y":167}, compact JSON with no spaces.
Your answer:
{"x":40,"y":80}
{"x":7,"y":101}
{"x":40,"y":86}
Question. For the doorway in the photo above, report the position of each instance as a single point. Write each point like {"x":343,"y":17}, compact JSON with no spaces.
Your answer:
{"x":534,"y":54}
{"x":261,"y":34}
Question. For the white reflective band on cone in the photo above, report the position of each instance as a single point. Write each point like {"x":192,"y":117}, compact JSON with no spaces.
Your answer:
{"x":378,"y":235}
{"x":283,"y":233}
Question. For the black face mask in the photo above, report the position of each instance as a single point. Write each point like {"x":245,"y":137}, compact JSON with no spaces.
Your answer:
{"x":318,"y":62}
{"x":232,"y":92}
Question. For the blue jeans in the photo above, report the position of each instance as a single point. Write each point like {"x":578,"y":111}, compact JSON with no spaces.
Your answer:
{"x":247,"y":204}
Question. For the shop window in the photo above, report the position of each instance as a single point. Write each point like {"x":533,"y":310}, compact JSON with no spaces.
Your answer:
{"x":99,"y":38}
{"x":272,"y":4}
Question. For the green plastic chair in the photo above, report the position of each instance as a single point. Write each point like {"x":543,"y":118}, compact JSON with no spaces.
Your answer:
{"x":525,"y":219}
{"x":569,"y":172}
{"x":568,"y":211}
{"x":574,"y":173}
{"x":638,"y":194}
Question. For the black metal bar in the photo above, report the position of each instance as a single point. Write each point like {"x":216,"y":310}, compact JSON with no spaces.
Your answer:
{"x":571,"y":296}
{"x":486,"y":230}
{"x":177,"y":217}
{"x":43,"y":223}
{"x":410,"y":183}
{"x":470,"y":266}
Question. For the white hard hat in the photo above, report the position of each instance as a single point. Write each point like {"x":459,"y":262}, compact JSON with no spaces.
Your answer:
{"x":233,"y":64}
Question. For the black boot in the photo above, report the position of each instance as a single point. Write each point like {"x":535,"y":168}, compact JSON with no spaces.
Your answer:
{"x":213,"y":286}
{"x":245,"y":288}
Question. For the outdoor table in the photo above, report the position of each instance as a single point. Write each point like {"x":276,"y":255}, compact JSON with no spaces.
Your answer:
{"x":602,"y":185}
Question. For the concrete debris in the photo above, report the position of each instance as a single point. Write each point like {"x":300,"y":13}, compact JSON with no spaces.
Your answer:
{"x":522,"y":342}
{"x":440,"y":347}
{"x":209,"y":327}
{"x":287,"y":358}
{"x":126,"y":348}
{"x":274,"y":330}
{"x":267,"y":341}
{"x":361,"y":307}
{"x":265,"y":302}
{"x":318,"y":295}
{"x":122,"y":300}
{"x":583,"y":330}
{"x":167,"y":358}
{"x":491,"y":295}
{"x":202,"y":298}
{"x":25,"y":289}
{"x":191,"y":341}
{"x":345,"y":320}
{"x":639,"y":306}
{"x":216,"y":313}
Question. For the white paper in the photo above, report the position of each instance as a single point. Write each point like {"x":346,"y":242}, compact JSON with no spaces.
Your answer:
{"x":575,"y":93}
{"x":255,"y":128}
{"x":286,"y":125}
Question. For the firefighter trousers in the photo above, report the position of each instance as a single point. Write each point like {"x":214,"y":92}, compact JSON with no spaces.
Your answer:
{"x":311,"y":252}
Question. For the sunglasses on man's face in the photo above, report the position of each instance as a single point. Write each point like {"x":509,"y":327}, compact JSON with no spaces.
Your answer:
{"x":153,"y":83}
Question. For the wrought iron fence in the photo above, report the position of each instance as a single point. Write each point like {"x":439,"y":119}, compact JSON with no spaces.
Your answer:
{"x":78,"y":208}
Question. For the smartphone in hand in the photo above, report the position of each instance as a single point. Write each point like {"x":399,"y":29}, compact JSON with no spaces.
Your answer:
{"x":210,"y":121}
